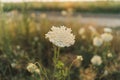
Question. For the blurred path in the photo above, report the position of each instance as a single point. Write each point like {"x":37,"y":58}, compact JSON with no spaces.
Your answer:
{"x":108,"y":20}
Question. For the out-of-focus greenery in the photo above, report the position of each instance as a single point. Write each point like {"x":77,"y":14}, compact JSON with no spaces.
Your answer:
{"x":92,"y":7}
{"x":22,"y":41}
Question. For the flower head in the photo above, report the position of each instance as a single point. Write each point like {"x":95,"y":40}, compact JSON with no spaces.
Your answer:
{"x":61,"y":36}
{"x":79,"y":58}
{"x":107,"y":37}
{"x":109,"y":55}
{"x":97,"y":41}
{"x":96,"y":60}
{"x":32,"y":68}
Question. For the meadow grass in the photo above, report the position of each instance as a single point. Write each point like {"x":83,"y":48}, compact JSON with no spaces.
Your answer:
{"x":22,"y":41}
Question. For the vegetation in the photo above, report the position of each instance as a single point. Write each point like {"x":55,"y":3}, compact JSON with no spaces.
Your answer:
{"x":25,"y":53}
{"x":91,"y":7}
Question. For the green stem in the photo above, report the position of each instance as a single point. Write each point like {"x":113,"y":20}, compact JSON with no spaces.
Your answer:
{"x":70,"y":68}
{"x":56,"y":58}
{"x":43,"y":71}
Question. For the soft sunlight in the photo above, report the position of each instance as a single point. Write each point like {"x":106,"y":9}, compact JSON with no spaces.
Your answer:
{"x":59,"y":40}
{"x":50,"y":0}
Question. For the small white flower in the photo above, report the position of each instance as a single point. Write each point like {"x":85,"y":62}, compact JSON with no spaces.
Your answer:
{"x":97,"y":41}
{"x":61,"y":36}
{"x":32,"y":68}
{"x":81,"y":31}
{"x":96,"y":60}
{"x":13,"y":65}
{"x":109,"y":55}
{"x":107,"y":37}
{"x":105,"y":72}
{"x":79,"y":58}
{"x":108,"y":30}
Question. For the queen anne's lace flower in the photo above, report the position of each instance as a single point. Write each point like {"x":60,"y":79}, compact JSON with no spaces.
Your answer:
{"x":79,"y":58}
{"x":97,"y":41}
{"x":96,"y":60}
{"x":32,"y":68}
{"x":109,"y":55}
{"x":61,"y":36}
{"x":107,"y":37}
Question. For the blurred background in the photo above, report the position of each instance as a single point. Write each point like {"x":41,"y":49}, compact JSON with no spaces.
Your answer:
{"x":24,"y":23}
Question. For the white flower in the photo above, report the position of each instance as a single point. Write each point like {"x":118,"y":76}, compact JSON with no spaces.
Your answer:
{"x":32,"y":68}
{"x":107,"y":37}
{"x":81,"y":31}
{"x":108,"y":30}
{"x":105,"y":72}
{"x":79,"y":58}
{"x":109,"y":55}
{"x":13,"y":65}
{"x":96,"y":60}
{"x":97,"y":41}
{"x":61,"y":36}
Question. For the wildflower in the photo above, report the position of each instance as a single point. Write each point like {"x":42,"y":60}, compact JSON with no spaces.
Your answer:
{"x":32,"y":68}
{"x":77,"y":61}
{"x":61,"y":36}
{"x":108,"y":30}
{"x":109,"y":55}
{"x":81,"y":31}
{"x":105,"y":72}
{"x":96,"y":60}
{"x":97,"y":41}
{"x":79,"y":58}
{"x":107,"y":37}
{"x":13,"y":65}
